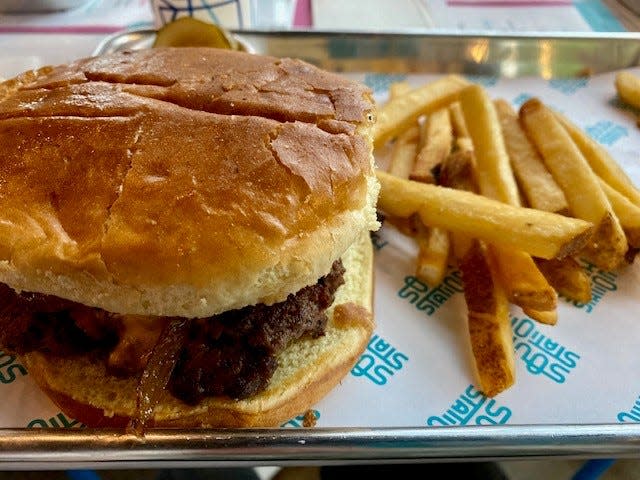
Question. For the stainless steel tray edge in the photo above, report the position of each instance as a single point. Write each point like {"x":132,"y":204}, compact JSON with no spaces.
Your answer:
{"x":72,"y":448}
{"x":476,"y":53}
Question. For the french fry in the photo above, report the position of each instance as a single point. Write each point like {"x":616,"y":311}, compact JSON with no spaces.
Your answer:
{"x":458,"y":172}
{"x":548,"y":317}
{"x":518,"y":274}
{"x":435,"y":143}
{"x":433,"y":255}
{"x":400,"y":112}
{"x":488,"y":322}
{"x":433,"y":243}
{"x":398,"y":88}
{"x":495,"y":177}
{"x":568,"y":277}
{"x":458,"y":123}
{"x":403,"y":154}
{"x":437,"y":139}
{"x":524,"y":286}
{"x":580,"y":185}
{"x":627,"y":212}
{"x":405,"y":148}
{"x":523,"y":283}
{"x":487,"y":305}
{"x":541,"y":234}
{"x":601,"y":161}
{"x":628,"y":87}
{"x":459,"y":127}
{"x":535,"y":181}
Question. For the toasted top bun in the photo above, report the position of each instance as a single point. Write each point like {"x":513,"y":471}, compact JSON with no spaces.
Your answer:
{"x":181,"y":182}
{"x":307,"y":370}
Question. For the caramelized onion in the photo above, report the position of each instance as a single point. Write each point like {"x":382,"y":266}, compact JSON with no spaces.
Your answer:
{"x":156,"y":374}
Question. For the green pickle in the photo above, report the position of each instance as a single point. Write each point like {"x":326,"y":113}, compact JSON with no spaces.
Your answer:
{"x":190,"y":32}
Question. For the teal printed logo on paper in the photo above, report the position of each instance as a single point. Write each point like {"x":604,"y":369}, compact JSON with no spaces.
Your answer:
{"x":520,"y":99}
{"x":472,"y":407}
{"x":58,"y":421}
{"x":377,"y":241}
{"x":380,"y":82}
{"x":633,"y":415}
{"x":298,"y":421}
{"x":568,"y":86}
{"x":602,"y":282}
{"x":607,"y":132}
{"x":427,"y":299}
{"x":541,"y":354}
{"x":10,"y":369}
{"x":379,"y":361}
{"x":484,"y":80}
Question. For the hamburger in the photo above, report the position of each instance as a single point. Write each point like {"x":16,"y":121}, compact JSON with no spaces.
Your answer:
{"x":184,"y":235}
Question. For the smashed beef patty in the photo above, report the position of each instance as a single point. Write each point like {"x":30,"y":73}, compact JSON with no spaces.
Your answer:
{"x":233,"y":353}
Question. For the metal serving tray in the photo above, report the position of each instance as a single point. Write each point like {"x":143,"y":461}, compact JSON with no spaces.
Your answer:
{"x":513,"y":55}
{"x":549,"y":56}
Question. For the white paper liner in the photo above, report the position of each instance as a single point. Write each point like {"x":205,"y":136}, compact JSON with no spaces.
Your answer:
{"x":428,"y":377}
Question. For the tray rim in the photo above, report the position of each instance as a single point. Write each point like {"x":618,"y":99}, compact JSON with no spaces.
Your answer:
{"x":106,"y":45}
{"x":84,"y":448}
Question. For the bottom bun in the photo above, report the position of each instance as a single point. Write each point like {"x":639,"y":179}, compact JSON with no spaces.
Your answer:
{"x":307,"y":371}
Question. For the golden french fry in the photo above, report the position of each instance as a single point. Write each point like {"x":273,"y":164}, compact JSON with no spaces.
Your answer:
{"x":488,"y":322}
{"x":402,"y":111}
{"x":403,"y":154}
{"x":542,"y":234}
{"x":628,"y":88}
{"x":548,"y":317}
{"x":433,"y":255}
{"x":568,"y":277}
{"x":515,"y":269}
{"x":436,"y":144}
{"x":523,"y":283}
{"x":405,"y":148}
{"x":601,"y":161}
{"x":458,"y":123}
{"x":458,"y":172}
{"x":487,"y":305}
{"x":530,"y":291}
{"x":433,"y":247}
{"x":627,"y":212}
{"x":398,"y":88}
{"x":459,"y":127}
{"x":495,"y":177}
{"x":580,"y":185}
{"x":536,"y":182}
{"x":608,"y":246}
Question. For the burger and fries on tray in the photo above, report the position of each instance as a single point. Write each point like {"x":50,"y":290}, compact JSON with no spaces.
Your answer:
{"x":184,"y":232}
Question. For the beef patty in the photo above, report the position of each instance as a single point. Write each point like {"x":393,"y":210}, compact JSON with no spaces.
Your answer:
{"x":233,"y":353}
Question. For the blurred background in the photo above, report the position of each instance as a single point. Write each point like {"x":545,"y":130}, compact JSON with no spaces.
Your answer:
{"x":35,"y":32}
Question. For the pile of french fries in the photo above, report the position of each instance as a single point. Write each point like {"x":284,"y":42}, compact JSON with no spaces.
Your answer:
{"x":512,"y":198}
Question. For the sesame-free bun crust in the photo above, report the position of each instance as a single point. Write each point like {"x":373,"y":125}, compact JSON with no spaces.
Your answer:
{"x":307,"y":370}
{"x":181,"y":182}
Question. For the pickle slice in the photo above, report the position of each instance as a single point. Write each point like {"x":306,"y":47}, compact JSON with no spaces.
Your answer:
{"x":190,"y":32}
